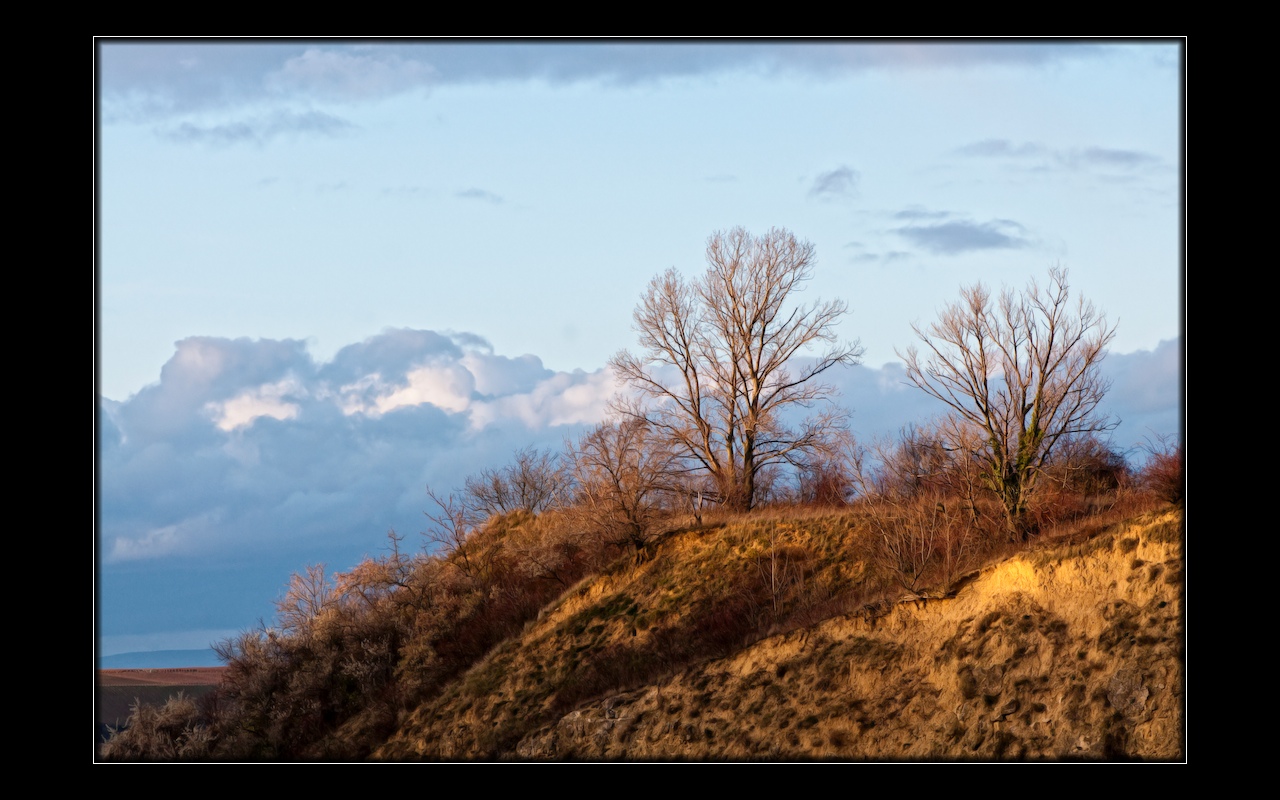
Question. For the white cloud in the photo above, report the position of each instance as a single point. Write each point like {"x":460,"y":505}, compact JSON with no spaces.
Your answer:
{"x":347,"y":75}
{"x":234,"y":506}
{"x":187,"y":467}
{"x":163,"y":540}
{"x":261,"y":401}
{"x":445,"y":386}
{"x":578,"y":398}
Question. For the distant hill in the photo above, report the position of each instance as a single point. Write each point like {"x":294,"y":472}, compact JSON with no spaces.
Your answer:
{"x":160,"y":659}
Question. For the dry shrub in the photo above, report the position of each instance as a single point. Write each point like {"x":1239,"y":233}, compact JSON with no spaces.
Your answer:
{"x":535,"y":481}
{"x":926,"y":542}
{"x":173,"y":731}
{"x":1087,"y":465}
{"x":1163,"y":474}
{"x":627,"y":485}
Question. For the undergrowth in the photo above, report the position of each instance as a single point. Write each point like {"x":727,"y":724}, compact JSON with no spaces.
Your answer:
{"x":531,"y":616}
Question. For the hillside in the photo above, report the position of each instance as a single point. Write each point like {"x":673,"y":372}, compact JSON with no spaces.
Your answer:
{"x":1072,"y":650}
{"x":783,"y":634}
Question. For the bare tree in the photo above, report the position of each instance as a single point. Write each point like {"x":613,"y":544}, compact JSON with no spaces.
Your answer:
{"x":310,"y":592}
{"x":533,"y":482}
{"x":713,"y":374}
{"x":625,"y":480}
{"x":451,"y":525}
{"x":1022,"y":373}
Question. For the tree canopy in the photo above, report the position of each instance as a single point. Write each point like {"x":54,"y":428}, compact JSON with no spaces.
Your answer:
{"x":716,"y":371}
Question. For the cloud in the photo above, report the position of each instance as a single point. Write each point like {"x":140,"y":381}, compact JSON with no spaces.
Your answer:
{"x":155,"y":80}
{"x":887,"y":258}
{"x":961,"y":236}
{"x":1001,"y":148}
{"x":259,"y":130}
{"x":1075,"y":158}
{"x":350,"y":75}
{"x":1105,"y":157}
{"x":269,"y":400}
{"x":920,"y":213}
{"x":839,"y":182}
{"x":1144,"y":396}
{"x":202,"y":520}
{"x":565,"y":399}
{"x":446,"y":386}
{"x":479,"y":194}
{"x":242,"y":439}
{"x":1145,"y":393}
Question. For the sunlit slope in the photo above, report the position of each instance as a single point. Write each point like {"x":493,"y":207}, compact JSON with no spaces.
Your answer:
{"x":1072,"y":651}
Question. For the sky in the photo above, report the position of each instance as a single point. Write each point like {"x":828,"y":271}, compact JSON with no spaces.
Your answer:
{"x":333,"y":273}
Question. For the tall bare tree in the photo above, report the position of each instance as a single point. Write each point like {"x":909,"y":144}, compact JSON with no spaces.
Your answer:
{"x":1023,"y":372}
{"x":714,"y":376}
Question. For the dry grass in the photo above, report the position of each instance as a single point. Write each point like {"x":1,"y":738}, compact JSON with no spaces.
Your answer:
{"x":694,"y":652}
{"x":780,"y":634}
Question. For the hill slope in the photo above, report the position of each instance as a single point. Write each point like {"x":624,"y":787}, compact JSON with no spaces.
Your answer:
{"x":1071,"y":651}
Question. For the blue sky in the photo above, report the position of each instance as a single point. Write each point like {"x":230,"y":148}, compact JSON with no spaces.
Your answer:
{"x":331,"y":273}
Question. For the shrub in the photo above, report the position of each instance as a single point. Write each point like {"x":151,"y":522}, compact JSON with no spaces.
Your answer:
{"x":1163,"y":473}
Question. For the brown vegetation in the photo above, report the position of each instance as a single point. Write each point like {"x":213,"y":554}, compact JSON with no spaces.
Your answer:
{"x":835,"y":602}
{"x":1021,"y":376}
{"x":780,"y":634}
{"x":728,"y":339}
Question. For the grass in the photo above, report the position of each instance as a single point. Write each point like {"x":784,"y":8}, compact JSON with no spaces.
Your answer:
{"x":686,"y":639}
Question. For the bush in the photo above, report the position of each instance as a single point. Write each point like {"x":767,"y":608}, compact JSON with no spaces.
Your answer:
{"x":176,"y":730}
{"x":1163,"y":473}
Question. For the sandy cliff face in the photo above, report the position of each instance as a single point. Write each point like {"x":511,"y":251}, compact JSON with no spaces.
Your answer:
{"x":1069,"y":652}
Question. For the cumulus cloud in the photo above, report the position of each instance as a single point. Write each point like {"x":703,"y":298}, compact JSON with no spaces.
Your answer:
{"x":577,"y":398}
{"x":1144,"y":397}
{"x":237,"y":432}
{"x":839,"y":182}
{"x":1145,"y":394}
{"x":961,"y":236}
{"x":446,"y":386}
{"x":269,"y":400}
{"x":248,"y":459}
